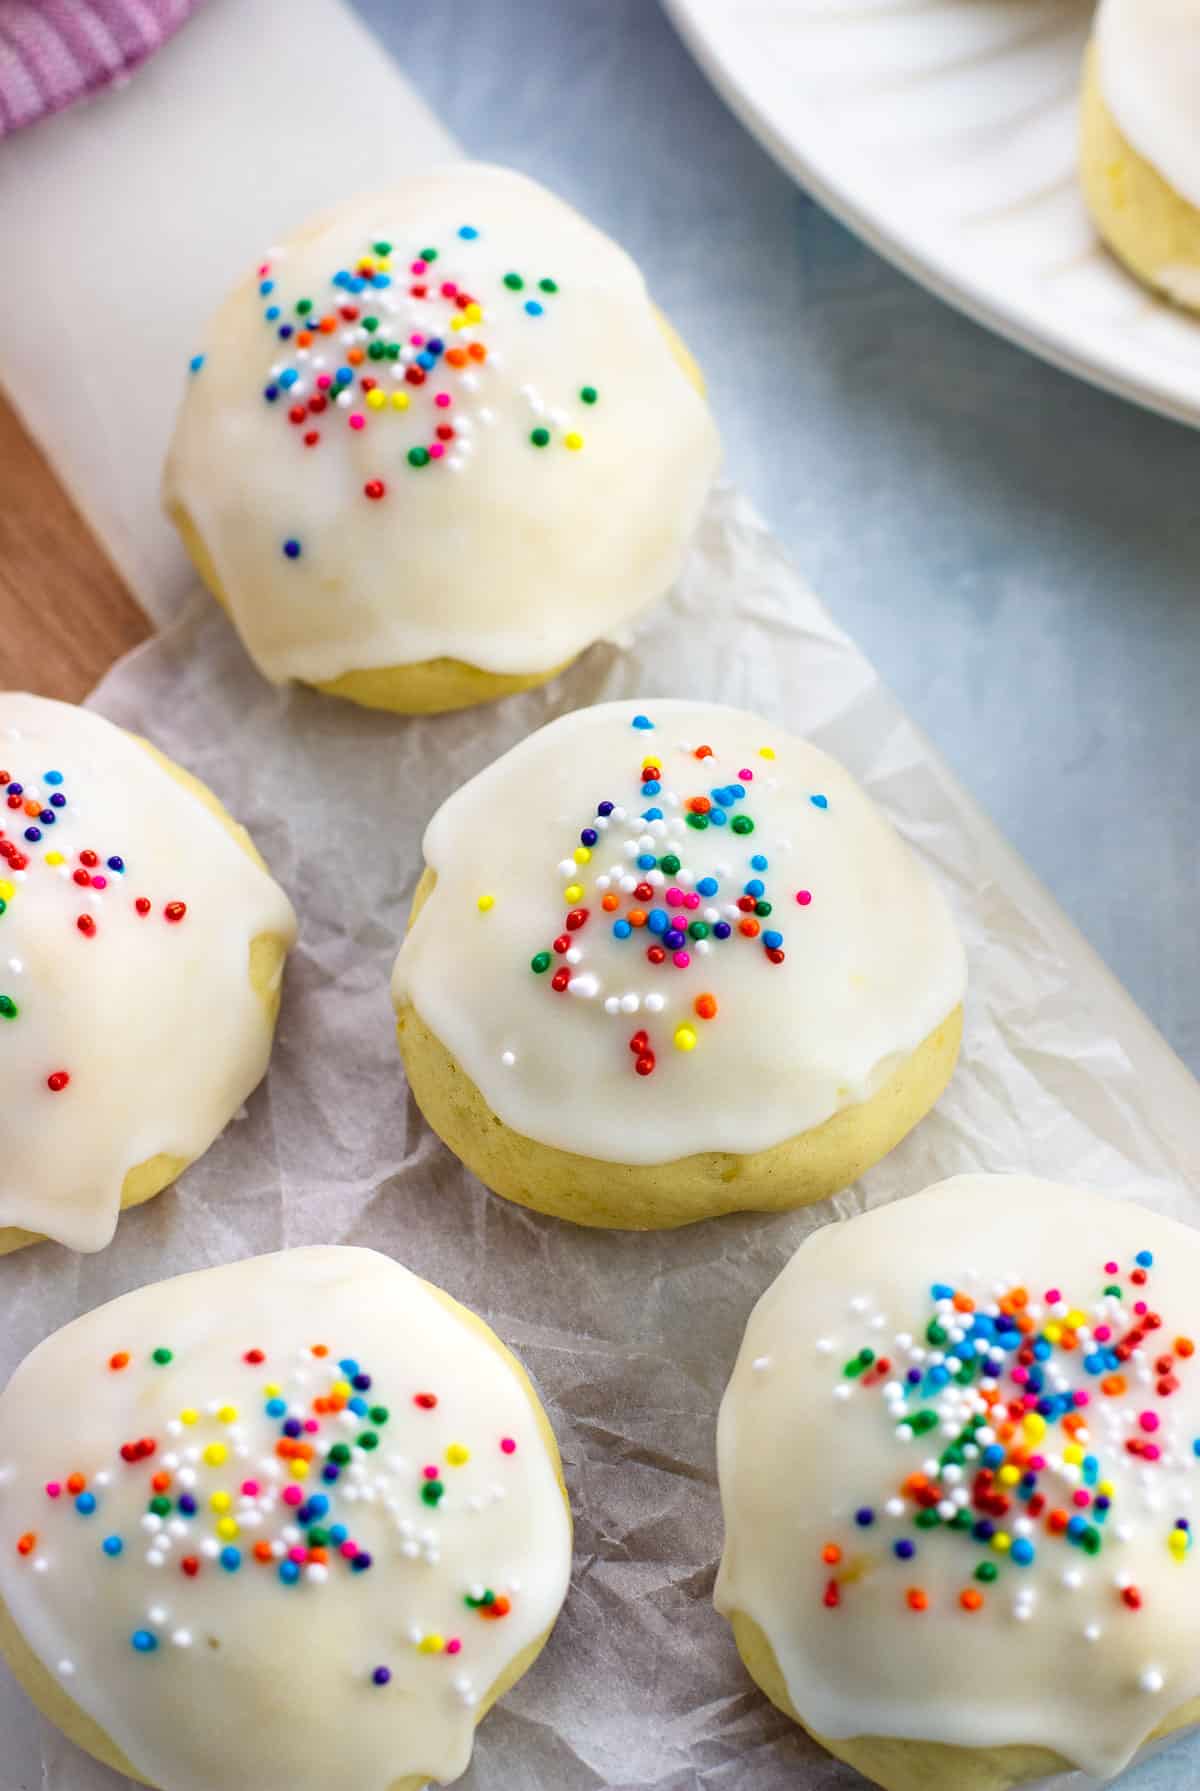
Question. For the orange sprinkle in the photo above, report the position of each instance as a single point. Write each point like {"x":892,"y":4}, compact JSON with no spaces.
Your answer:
{"x":320,"y":1404}
{"x":706,"y":1006}
{"x":831,"y":1554}
{"x":1184,"y":1346}
{"x":703,"y":752}
{"x":355,"y":357}
{"x":160,"y":1482}
{"x":636,"y":917}
{"x":119,"y":1361}
{"x":262,"y":1551}
{"x":320,"y":1349}
{"x":477,"y":351}
{"x":699,"y":805}
{"x":327,"y":325}
{"x":304,"y":339}
{"x":27,"y":1543}
{"x":749,"y":927}
{"x":318,"y":1554}
{"x":457,"y":357}
{"x":1057,"y":1521}
{"x":76,"y":1483}
{"x":499,"y":1607}
{"x":970,"y":1599}
{"x":609,"y":902}
{"x":32,"y":807}
{"x":916,"y":1599}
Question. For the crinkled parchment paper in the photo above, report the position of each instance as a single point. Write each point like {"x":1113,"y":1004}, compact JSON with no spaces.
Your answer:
{"x":630,"y":1337}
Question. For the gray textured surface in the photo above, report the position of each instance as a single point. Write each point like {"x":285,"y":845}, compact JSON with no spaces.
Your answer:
{"x":1016,"y":552}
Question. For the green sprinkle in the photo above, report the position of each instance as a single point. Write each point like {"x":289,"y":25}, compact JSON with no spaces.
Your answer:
{"x":382,"y":248}
{"x":368,"y":1440}
{"x":340,"y":1453}
{"x":987,"y":1571}
{"x":547,"y":285}
{"x":371,"y":324}
{"x":376,"y":350}
{"x":1115,"y":1290}
{"x":589,"y":394}
{"x":379,"y":1414}
{"x":1091,"y":1541}
{"x":742,"y":824}
{"x":921,"y":1422}
{"x":669,"y":863}
{"x":161,"y":1356}
{"x":514,"y":282}
{"x":159,"y":1505}
{"x":432,"y":1492}
{"x":762,"y":908}
{"x":418,"y":457}
{"x":540,"y":437}
{"x":927,"y":1519}
{"x":393,"y":351}
{"x":8,"y":1007}
{"x":317,"y":1537}
{"x":699,"y":822}
{"x":539,"y":962}
{"x":303,"y":307}
{"x":935,"y":1333}
{"x":3,"y":906}
{"x":698,"y":929}
{"x":489,"y":1597}
{"x":422,"y":254}
{"x":952,"y":1457}
{"x":857,"y":1364}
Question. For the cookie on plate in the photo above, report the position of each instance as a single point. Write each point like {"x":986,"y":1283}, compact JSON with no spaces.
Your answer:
{"x":293,"y":1523}
{"x":667,"y":961}
{"x":958,"y":1463}
{"x":142,"y":942}
{"x":437,"y":443}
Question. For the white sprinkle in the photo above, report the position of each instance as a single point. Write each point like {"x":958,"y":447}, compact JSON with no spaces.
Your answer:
{"x":760,"y":1364}
{"x":1151,"y":1680}
{"x":655,"y":1003}
{"x":1092,"y":1633}
{"x":508,"y":1058}
{"x":182,"y":1638}
{"x":66,"y":1668}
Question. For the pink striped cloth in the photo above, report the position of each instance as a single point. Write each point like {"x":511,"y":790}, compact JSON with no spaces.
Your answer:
{"x":54,"y":52}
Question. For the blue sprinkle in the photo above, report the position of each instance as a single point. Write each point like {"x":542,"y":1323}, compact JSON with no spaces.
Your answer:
{"x":272,"y":313}
{"x":1144,"y":1259}
{"x":288,"y":378}
{"x":435,"y":345}
{"x":755,"y":887}
{"x":330,"y":1472}
{"x":651,"y":788}
{"x":646,"y":861}
{"x":737,"y":791}
{"x":15,"y":789}
{"x":819,"y":801}
{"x":266,"y":286}
{"x":707,"y":886}
{"x":758,"y":862}
{"x":285,"y":332}
{"x":426,"y":360}
{"x":621,"y":929}
{"x":993,"y":1456}
{"x":52,"y":777}
{"x":724,"y":796}
{"x":941,"y":1291}
{"x":722,"y":929}
{"x":903,"y":1550}
{"x":187,"y":1505}
{"x":468,"y":233}
{"x":984,"y":1530}
{"x":1196,"y":1447}
{"x":338,"y":1534}
{"x":144,"y":1641}
{"x":343,"y":376}
{"x":270,"y":393}
{"x":231,"y":1558}
{"x":938,"y":1377}
{"x":348,"y":1365}
{"x":318,"y":1504}
{"x":33,"y":834}
{"x":289,"y":1572}
{"x":116,"y":864}
{"x":772,"y":940}
{"x":112,"y":1545}
{"x":864,"y":1517}
{"x":533,"y":308}
{"x":674,"y":940}
{"x":658,"y":920}
{"x":588,"y":837}
{"x":85,"y":1504}
{"x":360,"y":1562}
{"x":341,"y":278}
{"x":604,"y":808}
{"x":358,"y":1406}
{"x":47,"y":817}
{"x":361,"y":1382}
{"x":1022,"y":1552}
{"x":642,"y":721}
{"x":58,"y":799}
{"x":357,"y":283}
{"x":652,"y":814}
{"x":717,"y":817}
{"x":195,"y":364}
{"x":275,"y":1408}
{"x":913,"y":1377}
{"x":381,"y":280}
{"x":291,"y":548}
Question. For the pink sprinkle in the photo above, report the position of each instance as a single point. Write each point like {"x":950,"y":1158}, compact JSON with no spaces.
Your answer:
{"x":746,"y":775}
{"x":1110,"y":1268}
{"x":53,"y":1489}
{"x":1148,"y":1420}
{"x":691,"y":900}
{"x":448,"y":289}
{"x":509,"y":1445}
{"x":1020,"y":1375}
{"x":419,"y":267}
{"x":1151,"y":1452}
{"x":804,"y":897}
{"x":1029,"y":1402}
{"x":1082,"y":1396}
{"x":1103,"y":1333}
{"x":453,"y":1646}
{"x":99,"y":882}
{"x":1053,"y":1296}
{"x":430,"y":1473}
{"x":674,"y":897}
{"x":1081,"y":1498}
{"x":324,"y":381}
{"x":299,"y":1555}
{"x":681,"y":960}
{"x":436,"y":450}
{"x":358,"y":421}
{"x":292,"y":1495}
{"x":442,"y":401}
{"x":1141,"y":1308}
{"x":1037,"y":1463}
{"x":417,"y":341}
{"x":311,"y":1426}
{"x":250,"y":1488}
{"x":264,"y":270}
{"x":349,"y":1550}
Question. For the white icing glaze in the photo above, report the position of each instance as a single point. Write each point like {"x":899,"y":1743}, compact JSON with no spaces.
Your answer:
{"x":500,"y":553}
{"x":871,"y":962}
{"x":254,"y":1681}
{"x":155,"y":1022}
{"x":1150,"y":76}
{"x":1054,"y":1656}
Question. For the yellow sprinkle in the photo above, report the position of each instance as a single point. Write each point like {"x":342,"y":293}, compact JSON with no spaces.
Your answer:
{"x":382,"y":263}
{"x":573,"y":439}
{"x":485,"y":903}
{"x":573,"y":892}
{"x":189,"y":1415}
{"x":685,"y":1039}
{"x":766,"y":752}
{"x":582,"y":855}
{"x":431,"y":1644}
{"x":54,"y":858}
{"x":1034,"y":1425}
{"x":458,"y":323}
{"x":1075,"y":1318}
{"x":399,"y":400}
{"x":1053,"y":1333}
{"x":228,"y":1414}
{"x":1073,"y":1453}
{"x":1002,"y":1542}
{"x":215,"y":1454}
{"x":299,"y":1469}
{"x":376,"y":399}
{"x":457,"y":1454}
{"x":1177,"y":1542}
{"x":341,"y":1389}
{"x":1009,"y":1475}
{"x":7,"y":892}
{"x":367,"y":263}
{"x":474,"y":313}
{"x":271,"y":1390}
{"x":1106,"y":1489}
{"x":226,"y":1529}
{"x":220,"y":1501}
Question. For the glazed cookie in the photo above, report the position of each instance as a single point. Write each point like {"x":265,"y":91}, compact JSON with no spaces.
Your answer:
{"x":292,"y":1523}
{"x":1140,"y":146}
{"x":958,"y":1465}
{"x":143,"y":946}
{"x":438,"y":443}
{"x":669,"y":964}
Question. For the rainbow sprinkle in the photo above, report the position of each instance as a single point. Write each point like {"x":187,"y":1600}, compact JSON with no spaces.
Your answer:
{"x":402,"y":336}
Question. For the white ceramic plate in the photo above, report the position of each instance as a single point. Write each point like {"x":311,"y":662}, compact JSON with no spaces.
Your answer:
{"x":944,"y":133}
